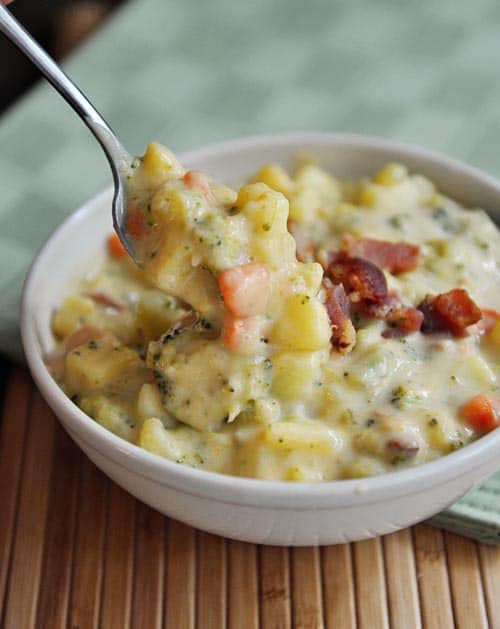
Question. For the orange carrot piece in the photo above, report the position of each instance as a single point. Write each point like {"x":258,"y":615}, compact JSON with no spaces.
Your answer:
{"x":115,"y":248}
{"x":238,"y":333}
{"x":135,"y":224}
{"x":193,"y":179}
{"x":245,"y":289}
{"x":482,"y":412}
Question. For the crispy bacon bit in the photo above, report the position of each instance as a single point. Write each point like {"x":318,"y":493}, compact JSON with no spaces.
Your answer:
{"x":395,"y":257}
{"x":56,"y":362}
{"x":81,"y":336}
{"x":401,"y":450}
{"x":449,"y":312}
{"x":381,"y":309}
{"x":105,"y":300}
{"x":55,"y":365}
{"x":358,"y":276}
{"x":403,"y":321}
{"x":338,"y":308}
{"x":304,"y":246}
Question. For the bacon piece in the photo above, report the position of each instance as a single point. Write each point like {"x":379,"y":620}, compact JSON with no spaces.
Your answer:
{"x":338,"y":305}
{"x":55,"y":365}
{"x":358,"y":276}
{"x":82,"y":335}
{"x":402,"y":449}
{"x":381,"y":309}
{"x":395,"y":257}
{"x":403,"y":321}
{"x":366,"y":285}
{"x":105,"y":300}
{"x":338,"y":308}
{"x":451,"y":312}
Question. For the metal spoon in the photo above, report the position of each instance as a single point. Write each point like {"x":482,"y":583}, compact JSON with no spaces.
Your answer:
{"x":119,"y":158}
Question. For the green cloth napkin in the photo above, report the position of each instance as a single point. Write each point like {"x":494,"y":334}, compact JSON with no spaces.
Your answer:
{"x":188,"y":73}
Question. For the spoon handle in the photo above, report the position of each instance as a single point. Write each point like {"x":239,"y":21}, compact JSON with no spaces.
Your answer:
{"x":112,"y":147}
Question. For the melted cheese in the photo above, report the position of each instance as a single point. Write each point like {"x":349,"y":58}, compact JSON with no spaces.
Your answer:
{"x":251,"y":385}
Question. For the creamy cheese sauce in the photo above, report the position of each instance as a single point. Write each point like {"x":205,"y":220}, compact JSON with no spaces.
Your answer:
{"x":222,"y":353}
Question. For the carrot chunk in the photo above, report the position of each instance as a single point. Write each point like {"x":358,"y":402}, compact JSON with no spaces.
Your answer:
{"x":482,"y":412}
{"x":240,"y":334}
{"x":135,"y":223}
{"x":245,"y":289}
{"x":115,"y":248}
{"x":194,"y":179}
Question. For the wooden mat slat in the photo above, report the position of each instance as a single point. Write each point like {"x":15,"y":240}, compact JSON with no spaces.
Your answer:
{"x":26,"y":561}
{"x":432,"y":574}
{"x":338,"y":586}
{"x":147,"y":609}
{"x":402,"y":588}
{"x":371,"y":594}
{"x":307,"y":604}
{"x":119,"y":552}
{"x":465,"y":581}
{"x":12,"y":438}
{"x":275,"y":596}
{"x":180,"y":597}
{"x":489,"y":559}
{"x":212,"y":572}
{"x":243,"y":590}
{"x":89,"y":548}
{"x":77,"y":551}
{"x":59,"y":538}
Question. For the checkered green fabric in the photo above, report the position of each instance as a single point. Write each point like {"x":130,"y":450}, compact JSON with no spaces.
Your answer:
{"x":189,"y":73}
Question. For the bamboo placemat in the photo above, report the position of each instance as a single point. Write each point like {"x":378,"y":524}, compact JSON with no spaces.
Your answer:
{"x":77,"y":551}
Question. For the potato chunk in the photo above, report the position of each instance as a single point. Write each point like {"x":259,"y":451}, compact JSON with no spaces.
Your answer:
{"x":73,"y":313}
{"x":275,"y":177}
{"x":114,"y":414}
{"x":301,"y":436}
{"x":149,"y":404}
{"x":160,"y":164}
{"x":103,"y":365}
{"x":155,"y":313}
{"x":297,"y":374}
{"x":204,"y":385}
{"x":303,"y":326}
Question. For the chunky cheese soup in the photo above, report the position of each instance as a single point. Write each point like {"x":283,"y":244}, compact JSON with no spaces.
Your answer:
{"x":302,"y":329}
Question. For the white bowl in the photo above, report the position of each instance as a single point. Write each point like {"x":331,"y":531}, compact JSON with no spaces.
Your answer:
{"x":253,"y":510}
